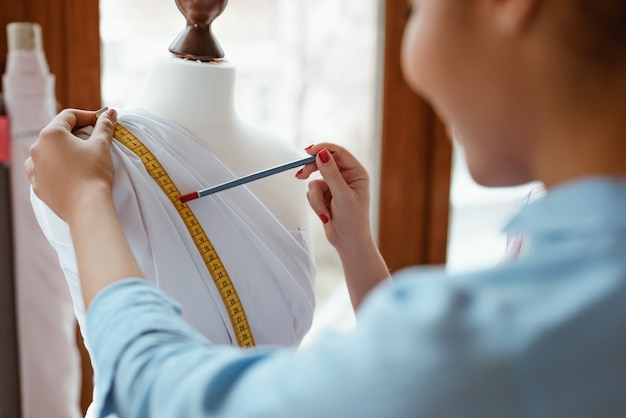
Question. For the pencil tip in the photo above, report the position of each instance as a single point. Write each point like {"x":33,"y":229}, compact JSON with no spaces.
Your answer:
{"x":189,"y":196}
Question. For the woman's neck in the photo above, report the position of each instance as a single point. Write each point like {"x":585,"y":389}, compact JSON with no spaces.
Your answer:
{"x":591,"y":143}
{"x":197,"y":95}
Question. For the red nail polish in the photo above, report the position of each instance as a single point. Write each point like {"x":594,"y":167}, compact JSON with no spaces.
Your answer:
{"x":324,"y":156}
{"x":309,"y":147}
{"x":323,"y":218}
{"x":299,"y":172}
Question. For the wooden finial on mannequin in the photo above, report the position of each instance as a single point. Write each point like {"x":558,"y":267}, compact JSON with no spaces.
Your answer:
{"x":197,"y":41}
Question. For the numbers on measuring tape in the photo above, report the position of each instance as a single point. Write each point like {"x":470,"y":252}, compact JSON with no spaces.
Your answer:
{"x":222,"y":281}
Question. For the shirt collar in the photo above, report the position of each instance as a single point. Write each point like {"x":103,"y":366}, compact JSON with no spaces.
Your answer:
{"x":591,"y":203}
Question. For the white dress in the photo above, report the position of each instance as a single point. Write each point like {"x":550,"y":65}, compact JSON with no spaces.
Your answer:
{"x":272,"y":269}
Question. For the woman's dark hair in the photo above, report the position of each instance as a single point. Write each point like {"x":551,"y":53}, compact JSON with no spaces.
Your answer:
{"x":599,"y":31}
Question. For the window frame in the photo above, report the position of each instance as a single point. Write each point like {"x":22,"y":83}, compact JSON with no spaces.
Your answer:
{"x":416,"y":163}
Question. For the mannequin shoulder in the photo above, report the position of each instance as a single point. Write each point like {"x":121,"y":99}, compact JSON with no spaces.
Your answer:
{"x":282,"y":194}
{"x":264,"y":147}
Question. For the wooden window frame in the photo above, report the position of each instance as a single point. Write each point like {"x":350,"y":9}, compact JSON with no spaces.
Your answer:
{"x":416,"y":162}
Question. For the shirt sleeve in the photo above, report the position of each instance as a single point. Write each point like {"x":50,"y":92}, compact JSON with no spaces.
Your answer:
{"x":405,"y":358}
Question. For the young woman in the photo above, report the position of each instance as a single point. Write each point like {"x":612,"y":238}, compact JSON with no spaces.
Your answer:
{"x":533,"y":90}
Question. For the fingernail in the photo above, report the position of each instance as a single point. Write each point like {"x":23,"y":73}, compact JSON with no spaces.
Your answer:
{"x":112,"y":114}
{"x":299,"y":172}
{"x":309,"y":147}
{"x":324,"y":156}
{"x":323,"y":218}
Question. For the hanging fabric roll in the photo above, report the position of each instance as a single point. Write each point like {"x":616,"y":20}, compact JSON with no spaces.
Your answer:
{"x":49,"y":360}
{"x":10,"y":381}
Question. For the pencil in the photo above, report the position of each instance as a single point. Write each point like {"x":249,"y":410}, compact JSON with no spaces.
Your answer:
{"x":247,"y":179}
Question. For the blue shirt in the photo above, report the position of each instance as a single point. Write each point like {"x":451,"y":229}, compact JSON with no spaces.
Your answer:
{"x":544,"y":337}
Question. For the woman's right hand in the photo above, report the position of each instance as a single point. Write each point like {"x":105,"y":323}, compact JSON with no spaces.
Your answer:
{"x":341,"y":199}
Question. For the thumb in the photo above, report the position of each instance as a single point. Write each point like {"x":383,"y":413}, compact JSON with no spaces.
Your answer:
{"x":329,"y":169}
{"x":105,"y":126}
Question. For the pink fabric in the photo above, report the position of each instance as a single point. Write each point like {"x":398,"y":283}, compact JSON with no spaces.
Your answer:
{"x":516,"y":244}
{"x":49,"y":359}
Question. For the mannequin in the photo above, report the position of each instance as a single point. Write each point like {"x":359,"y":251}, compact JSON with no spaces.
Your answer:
{"x":199,"y":97}
{"x":184,"y":113}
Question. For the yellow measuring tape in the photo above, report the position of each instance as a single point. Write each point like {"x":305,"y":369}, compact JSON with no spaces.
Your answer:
{"x":211,"y":259}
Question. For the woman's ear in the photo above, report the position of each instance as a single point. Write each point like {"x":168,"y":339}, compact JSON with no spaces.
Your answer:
{"x":514,"y":15}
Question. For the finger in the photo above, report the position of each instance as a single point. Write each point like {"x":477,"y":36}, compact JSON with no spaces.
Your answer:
{"x":339,"y":153}
{"x":306,"y":171}
{"x":30,"y":169}
{"x":310,"y":168}
{"x":315,"y":148}
{"x":105,"y":127}
{"x":72,"y":119}
{"x":329,"y":169}
{"x":319,"y":199}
